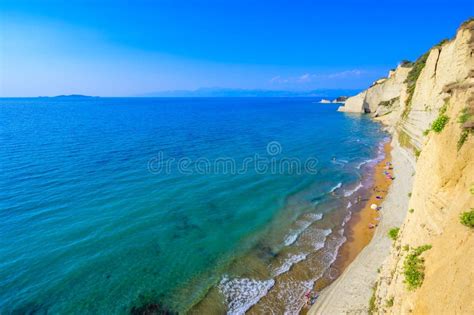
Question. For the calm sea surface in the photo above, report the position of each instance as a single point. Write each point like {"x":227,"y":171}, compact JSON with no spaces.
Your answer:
{"x":112,"y":204}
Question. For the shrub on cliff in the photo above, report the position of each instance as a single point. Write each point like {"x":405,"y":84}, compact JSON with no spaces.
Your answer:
{"x":406,"y":63}
{"x":389,"y":103}
{"x":393,"y":233}
{"x":465,"y":115}
{"x":414,"y":267}
{"x":467,"y":218}
{"x":462,"y":139}
{"x":372,"y":305}
{"x":389,"y":302}
{"x":439,"y":123}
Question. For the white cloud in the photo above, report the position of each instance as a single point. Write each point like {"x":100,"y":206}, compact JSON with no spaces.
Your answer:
{"x":304,"y":78}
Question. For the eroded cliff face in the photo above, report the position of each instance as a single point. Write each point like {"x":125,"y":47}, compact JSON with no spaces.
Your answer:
{"x":381,"y":91}
{"x":434,"y":123}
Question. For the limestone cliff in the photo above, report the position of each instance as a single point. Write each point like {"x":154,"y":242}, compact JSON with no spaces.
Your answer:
{"x":381,"y":91}
{"x":429,"y":108}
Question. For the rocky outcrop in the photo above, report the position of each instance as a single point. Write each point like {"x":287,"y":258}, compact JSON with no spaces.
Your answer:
{"x":354,"y":104}
{"x":382,"y":90}
{"x":340,"y":99}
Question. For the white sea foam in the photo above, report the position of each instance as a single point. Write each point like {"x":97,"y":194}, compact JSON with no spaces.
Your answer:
{"x":347,"y":218}
{"x":348,"y":193}
{"x":288,"y":263}
{"x":363,"y":163}
{"x":302,"y":225}
{"x":241,"y":293}
{"x":349,"y":205}
{"x":334,"y":244}
{"x":314,"y":216}
{"x":339,"y":185}
{"x":340,"y":162}
{"x":316,"y":237}
{"x":290,"y":239}
{"x":293,"y":236}
{"x":292,"y":294}
{"x":321,"y":238}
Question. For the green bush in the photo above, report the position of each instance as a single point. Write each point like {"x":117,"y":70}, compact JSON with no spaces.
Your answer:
{"x":467,"y":218}
{"x":406,"y":247}
{"x":406,"y":63}
{"x":411,"y":210}
{"x":439,"y":123}
{"x":462,"y":139}
{"x":414,"y":267}
{"x":417,"y":152}
{"x":464,"y":116}
{"x":443,"y":108}
{"x":389,"y":103}
{"x":389,"y":302}
{"x":442,"y":42}
{"x":393,"y":233}
{"x":426,"y":132}
{"x":409,"y":195}
{"x":372,"y":306}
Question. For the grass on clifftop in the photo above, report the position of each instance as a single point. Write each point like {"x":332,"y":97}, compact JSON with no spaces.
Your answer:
{"x":467,"y":218}
{"x":414,"y":267}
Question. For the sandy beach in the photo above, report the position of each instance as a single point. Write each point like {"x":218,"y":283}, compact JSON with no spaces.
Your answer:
{"x":362,"y":226}
{"x":351,"y":292}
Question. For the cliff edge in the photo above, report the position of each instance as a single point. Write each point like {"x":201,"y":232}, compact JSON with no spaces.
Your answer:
{"x":430,"y":267}
{"x":428,"y":106}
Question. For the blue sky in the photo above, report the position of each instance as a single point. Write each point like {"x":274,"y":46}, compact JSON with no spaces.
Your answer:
{"x":123,"y":48}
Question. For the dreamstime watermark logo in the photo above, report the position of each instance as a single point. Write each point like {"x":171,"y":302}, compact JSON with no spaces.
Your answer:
{"x":271,"y":163}
{"x":274,"y":148}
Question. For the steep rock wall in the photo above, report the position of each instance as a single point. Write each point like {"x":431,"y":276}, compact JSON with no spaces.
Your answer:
{"x":441,"y":190}
{"x":382,"y":90}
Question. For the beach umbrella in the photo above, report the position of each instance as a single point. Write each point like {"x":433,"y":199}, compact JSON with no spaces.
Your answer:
{"x":373,"y":206}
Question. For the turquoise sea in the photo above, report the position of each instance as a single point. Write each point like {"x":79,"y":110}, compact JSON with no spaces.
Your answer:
{"x":92,"y":222}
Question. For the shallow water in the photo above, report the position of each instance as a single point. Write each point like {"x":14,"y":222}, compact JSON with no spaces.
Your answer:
{"x":89,"y":222}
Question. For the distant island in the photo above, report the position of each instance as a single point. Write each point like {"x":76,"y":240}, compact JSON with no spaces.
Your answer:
{"x":337,"y":100}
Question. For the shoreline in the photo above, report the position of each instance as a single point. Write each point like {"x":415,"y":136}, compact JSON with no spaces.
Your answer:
{"x":351,"y":291}
{"x":358,"y":232}
{"x":357,"y":229}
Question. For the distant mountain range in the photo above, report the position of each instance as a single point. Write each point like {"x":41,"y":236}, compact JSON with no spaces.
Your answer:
{"x":71,"y":96}
{"x":228,"y":92}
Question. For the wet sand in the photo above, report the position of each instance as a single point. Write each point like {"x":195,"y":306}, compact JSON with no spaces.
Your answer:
{"x":357,"y":231}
